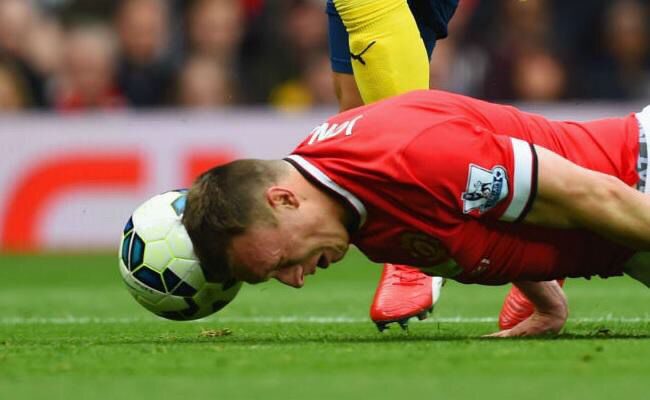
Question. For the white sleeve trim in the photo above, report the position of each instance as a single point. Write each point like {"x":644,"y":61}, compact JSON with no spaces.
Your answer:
{"x":328,"y":182}
{"x":522,"y":179}
{"x":643,"y":118}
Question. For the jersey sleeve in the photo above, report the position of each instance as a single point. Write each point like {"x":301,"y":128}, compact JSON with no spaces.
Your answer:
{"x":473,"y":171}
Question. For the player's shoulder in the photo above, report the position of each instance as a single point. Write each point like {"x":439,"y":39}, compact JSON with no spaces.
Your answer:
{"x":392,"y":123}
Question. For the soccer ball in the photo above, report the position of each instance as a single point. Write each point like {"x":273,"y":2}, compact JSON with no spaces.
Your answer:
{"x":158,"y":264}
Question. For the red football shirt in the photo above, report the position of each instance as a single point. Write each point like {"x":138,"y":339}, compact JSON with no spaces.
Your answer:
{"x":434,"y":177}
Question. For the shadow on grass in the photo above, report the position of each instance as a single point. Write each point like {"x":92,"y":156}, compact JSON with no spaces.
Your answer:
{"x":317,"y":338}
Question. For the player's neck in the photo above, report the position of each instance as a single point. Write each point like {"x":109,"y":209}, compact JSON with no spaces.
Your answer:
{"x":328,"y":205}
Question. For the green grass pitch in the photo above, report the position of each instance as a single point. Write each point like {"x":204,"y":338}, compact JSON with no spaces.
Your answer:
{"x":69,"y":330}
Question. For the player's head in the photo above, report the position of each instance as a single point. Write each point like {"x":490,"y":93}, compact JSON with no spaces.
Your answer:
{"x":257,"y":219}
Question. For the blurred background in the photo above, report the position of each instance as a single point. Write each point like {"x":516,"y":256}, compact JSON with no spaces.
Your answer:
{"x":104,"y":103}
{"x":76,"y":55}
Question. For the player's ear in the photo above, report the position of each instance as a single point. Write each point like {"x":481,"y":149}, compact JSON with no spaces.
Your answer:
{"x":278,"y":196}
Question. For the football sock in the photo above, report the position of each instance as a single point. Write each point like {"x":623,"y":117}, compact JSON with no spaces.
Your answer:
{"x":388,"y":54}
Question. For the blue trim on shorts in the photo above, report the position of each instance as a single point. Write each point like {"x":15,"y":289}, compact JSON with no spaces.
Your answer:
{"x":432,"y":18}
{"x":338,"y":41}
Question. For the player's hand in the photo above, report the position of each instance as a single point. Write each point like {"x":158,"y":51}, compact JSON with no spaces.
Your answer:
{"x":539,"y":323}
{"x":551,"y":310}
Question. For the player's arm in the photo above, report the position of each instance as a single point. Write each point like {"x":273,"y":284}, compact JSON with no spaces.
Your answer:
{"x":551,"y":310}
{"x":569,"y":196}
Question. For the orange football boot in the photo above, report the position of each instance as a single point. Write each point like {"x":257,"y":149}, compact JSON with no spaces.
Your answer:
{"x":403,"y":292}
{"x":516,"y":308}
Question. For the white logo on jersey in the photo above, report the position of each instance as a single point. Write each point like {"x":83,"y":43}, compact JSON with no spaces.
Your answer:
{"x":485,"y":188}
{"x":325,"y":131}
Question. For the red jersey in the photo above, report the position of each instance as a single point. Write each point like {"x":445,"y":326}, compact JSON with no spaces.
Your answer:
{"x":434,"y":177}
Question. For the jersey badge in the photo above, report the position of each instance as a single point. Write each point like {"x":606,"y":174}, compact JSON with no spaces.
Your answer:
{"x":434,"y":259}
{"x":423,"y":247}
{"x":485,"y":188}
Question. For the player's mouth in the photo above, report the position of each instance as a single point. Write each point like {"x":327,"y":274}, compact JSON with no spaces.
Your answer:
{"x":323,"y":261}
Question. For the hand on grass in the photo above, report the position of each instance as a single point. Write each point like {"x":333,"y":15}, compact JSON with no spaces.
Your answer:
{"x":551,"y":310}
{"x":539,"y":323}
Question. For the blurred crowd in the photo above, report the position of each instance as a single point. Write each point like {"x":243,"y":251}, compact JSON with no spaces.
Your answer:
{"x":74,"y":55}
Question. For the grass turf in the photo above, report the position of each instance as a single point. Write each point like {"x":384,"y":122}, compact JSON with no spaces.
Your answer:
{"x":69,"y":330}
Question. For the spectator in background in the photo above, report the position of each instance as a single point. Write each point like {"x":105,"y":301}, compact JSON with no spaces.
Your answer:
{"x":621,"y":69}
{"x":17,"y":18}
{"x":520,"y":29}
{"x":252,"y":8}
{"x":304,"y":33}
{"x":538,"y":76}
{"x":215,"y":29}
{"x":145,"y":71}
{"x":280,"y":46}
{"x":44,"y":53}
{"x":88,"y":76}
{"x":458,"y":66}
{"x":313,"y":88}
{"x":13,"y":89}
{"x":537,"y":50}
{"x":318,"y":80}
{"x":204,"y":83}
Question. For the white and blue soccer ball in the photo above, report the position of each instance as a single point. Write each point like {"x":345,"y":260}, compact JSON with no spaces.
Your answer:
{"x":158,"y":264}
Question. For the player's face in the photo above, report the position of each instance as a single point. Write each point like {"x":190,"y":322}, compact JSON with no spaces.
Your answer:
{"x":287,"y":252}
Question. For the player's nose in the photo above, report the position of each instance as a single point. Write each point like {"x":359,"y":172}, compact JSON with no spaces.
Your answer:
{"x":292,"y":276}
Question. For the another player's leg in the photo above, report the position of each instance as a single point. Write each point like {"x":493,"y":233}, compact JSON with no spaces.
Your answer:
{"x":388,"y":54}
{"x":516,"y":308}
{"x":346,"y":90}
{"x":404,"y":292}
{"x":345,"y":86}
{"x":380,"y":43}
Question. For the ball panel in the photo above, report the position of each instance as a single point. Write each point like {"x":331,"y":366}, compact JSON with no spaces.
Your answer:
{"x":211,"y":292}
{"x":153,"y":229}
{"x":181,"y":312}
{"x":173,"y":315}
{"x":191,"y":310}
{"x":178,"y":205}
{"x":172,"y":303}
{"x":184,"y":269}
{"x":229,"y":284}
{"x":124,"y":271}
{"x":232,"y":291}
{"x":150,"y":278}
{"x":140,"y":290}
{"x":129,"y":226}
{"x":157,"y":207}
{"x":157,"y":255}
{"x":126,"y":244}
{"x":136,"y":252}
{"x":179,"y":242}
{"x":194,"y":276}
{"x":219,"y":304}
{"x":159,"y":267}
{"x":184,"y":290}
{"x":170,"y":279}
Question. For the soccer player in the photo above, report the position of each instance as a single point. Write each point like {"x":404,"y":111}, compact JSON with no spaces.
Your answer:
{"x":461,"y":188}
{"x":392,"y":42}
{"x":379,"y":49}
